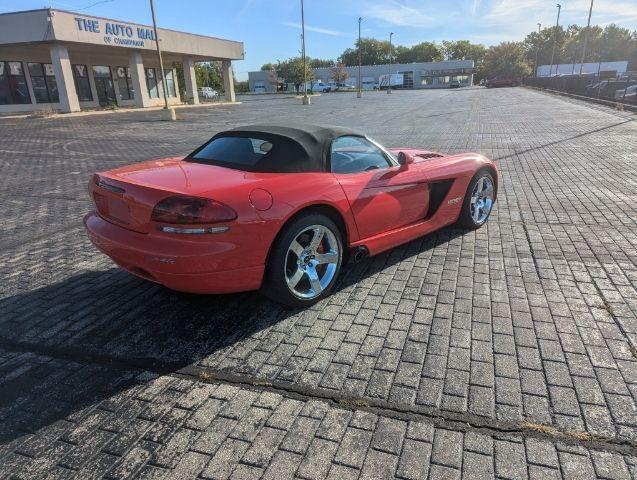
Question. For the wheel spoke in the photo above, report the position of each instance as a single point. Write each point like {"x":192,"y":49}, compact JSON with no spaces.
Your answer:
{"x":488,"y":204}
{"x":328,"y":257}
{"x":314,"y":279}
{"x":296,"y":248}
{"x":317,"y":238}
{"x":480,"y":185}
{"x":295,"y":278}
{"x":476,"y":213}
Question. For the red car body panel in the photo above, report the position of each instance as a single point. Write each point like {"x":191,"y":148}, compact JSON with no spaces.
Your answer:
{"x":380,"y":209}
{"x":503,"y":82}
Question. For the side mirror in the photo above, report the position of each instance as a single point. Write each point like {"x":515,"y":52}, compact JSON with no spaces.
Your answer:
{"x":405,"y":159}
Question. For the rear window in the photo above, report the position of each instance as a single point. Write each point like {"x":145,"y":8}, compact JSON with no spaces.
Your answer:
{"x":267,"y":153}
{"x":237,"y":150}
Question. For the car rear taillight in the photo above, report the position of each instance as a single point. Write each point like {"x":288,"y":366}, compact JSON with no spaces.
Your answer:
{"x":192,"y":210}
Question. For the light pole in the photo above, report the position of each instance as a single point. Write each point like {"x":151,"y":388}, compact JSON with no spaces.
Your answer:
{"x":306,"y":99}
{"x":537,"y":50}
{"x":557,"y":25}
{"x":168,"y":113}
{"x":588,"y":27}
{"x":359,"y":94}
{"x":389,"y":78}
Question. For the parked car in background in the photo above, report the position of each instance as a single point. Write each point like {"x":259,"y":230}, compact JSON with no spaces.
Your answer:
{"x":628,"y":95}
{"x":369,"y":83}
{"x":605,"y":88}
{"x":320,"y":87}
{"x":208,"y":93}
{"x":344,"y":87}
{"x":454,"y":84}
{"x":502,"y":81}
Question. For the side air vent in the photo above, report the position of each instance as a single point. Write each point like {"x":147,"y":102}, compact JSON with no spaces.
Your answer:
{"x":437,"y":193}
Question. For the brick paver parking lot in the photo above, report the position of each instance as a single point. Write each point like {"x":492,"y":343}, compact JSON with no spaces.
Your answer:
{"x":508,"y":352}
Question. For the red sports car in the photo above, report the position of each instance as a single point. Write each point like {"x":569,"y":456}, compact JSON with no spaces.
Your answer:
{"x":279,"y":208}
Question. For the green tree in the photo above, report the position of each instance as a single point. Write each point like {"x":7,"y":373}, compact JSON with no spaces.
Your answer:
{"x":292,"y":71}
{"x":320,"y":63}
{"x":507,"y":58}
{"x":241,"y":86}
{"x":208,"y":74}
{"x":463,"y":50}
{"x":617,"y":43}
{"x":267,"y":67}
{"x":338,"y":73}
{"x":421,"y":52}
{"x":373,"y":52}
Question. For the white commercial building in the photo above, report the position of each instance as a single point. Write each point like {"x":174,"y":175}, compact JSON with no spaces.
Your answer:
{"x":68,"y":61}
{"x":587,"y":68}
{"x":414,"y":75}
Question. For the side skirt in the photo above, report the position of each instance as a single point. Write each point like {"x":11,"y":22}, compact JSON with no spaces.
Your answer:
{"x":392,"y":238}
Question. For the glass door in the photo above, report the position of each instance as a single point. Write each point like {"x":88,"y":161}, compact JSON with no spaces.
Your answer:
{"x":104,"y":85}
{"x":408,"y":79}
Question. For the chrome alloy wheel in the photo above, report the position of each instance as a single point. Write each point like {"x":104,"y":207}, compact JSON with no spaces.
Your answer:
{"x":482,"y":199}
{"x":312,"y":261}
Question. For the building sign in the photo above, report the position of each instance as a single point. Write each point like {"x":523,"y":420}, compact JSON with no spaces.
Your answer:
{"x":120,"y":34}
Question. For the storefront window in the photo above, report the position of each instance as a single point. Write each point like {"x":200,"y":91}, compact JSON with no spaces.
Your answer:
{"x":45,"y":87}
{"x":160,"y":84}
{"x":125,"y":83}
{"x":13,"y":85}
{"x":151,"y":81}
{"x":170,"y":82}
{"x":156,"y":86}
{"x":82,"y":84}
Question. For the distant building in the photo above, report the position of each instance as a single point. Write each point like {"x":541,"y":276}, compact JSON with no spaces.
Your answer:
{"x":588,"y":68}
{"x":66,"y":61}
{"x":415,"y":75}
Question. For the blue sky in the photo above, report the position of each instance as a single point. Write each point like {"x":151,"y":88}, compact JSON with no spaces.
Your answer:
{"x":270,"y":29}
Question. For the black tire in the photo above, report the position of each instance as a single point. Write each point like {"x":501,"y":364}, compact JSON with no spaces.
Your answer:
{"x":465,"y":220}
{"x":275,"y":285}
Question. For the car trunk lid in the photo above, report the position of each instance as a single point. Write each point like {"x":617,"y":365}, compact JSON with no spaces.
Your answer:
{"x":126,"y":196}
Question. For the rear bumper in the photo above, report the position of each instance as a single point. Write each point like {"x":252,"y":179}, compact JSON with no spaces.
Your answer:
{"x":174,"y":263}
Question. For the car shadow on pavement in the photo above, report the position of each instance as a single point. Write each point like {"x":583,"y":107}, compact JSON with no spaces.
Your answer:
{"x":72,"y":344}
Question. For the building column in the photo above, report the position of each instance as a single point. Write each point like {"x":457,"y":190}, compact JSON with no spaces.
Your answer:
{"x":64,"y":78}
{"x":138,"y":75}
{"x":190,"y":80}
{"x":228,"y":80}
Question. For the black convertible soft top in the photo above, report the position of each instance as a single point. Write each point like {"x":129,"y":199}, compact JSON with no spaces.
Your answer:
{"x":296,"y":148}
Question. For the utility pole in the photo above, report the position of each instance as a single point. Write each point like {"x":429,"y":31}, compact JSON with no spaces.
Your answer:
{"x":389,"y":79}
{"x":537,"y":50}
{"x":557,"y":25}
{"x":306,"y":99}
{"x":359,"y":94}
{"x":588,"y":27}
{"x":168,"y":113}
